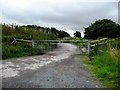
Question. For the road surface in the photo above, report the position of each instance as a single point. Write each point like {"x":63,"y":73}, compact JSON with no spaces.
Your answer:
{"x":61,"y":68}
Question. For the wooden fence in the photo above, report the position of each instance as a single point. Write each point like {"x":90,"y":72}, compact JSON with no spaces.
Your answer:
{"x":95,"y":43}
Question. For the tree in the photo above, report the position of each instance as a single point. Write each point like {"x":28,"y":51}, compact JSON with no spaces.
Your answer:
{"x":102,"y":28}
{"x":63,"y":34}
{"x":77,"y":34}
{"x":59,"y":34}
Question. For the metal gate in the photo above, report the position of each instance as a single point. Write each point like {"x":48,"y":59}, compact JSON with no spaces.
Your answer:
{"x":47,"y":45}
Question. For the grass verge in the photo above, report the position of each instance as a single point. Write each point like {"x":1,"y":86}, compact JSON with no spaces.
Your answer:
{"x":104,"y":64}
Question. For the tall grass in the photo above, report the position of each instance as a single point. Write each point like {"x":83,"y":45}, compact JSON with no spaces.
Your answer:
{"x":105,"y":65}
{"x":21,"y":48}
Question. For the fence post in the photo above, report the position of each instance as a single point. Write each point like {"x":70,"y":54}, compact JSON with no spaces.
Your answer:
{"x":33,"y":44}
{"x":88,"y":47}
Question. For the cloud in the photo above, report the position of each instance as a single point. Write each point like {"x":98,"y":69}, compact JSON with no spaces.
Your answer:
{"x":69,"y":15}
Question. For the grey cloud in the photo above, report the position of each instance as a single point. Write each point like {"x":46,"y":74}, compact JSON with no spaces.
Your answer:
{"x":63,"y":15}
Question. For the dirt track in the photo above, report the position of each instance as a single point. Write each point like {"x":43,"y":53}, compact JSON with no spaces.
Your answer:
{"x":61,"y":68}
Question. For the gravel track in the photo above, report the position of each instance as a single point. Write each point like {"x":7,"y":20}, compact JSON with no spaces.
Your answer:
{"x":60,"y":68}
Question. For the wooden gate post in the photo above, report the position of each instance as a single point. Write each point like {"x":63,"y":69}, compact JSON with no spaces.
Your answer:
{"x":33,"y":44}
{"x":88,"y":47}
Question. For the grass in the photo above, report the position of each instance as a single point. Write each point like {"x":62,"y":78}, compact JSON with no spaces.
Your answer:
{"x":104,"y":63}
{"x":22,"y":48}
{"x":81,"y":44}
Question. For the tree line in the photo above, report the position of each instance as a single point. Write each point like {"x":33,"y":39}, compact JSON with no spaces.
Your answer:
{"x":52,"y":32}
{"x":99,"y":29}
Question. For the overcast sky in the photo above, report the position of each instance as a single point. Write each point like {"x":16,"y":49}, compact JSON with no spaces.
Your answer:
{"x":68,"y":15}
